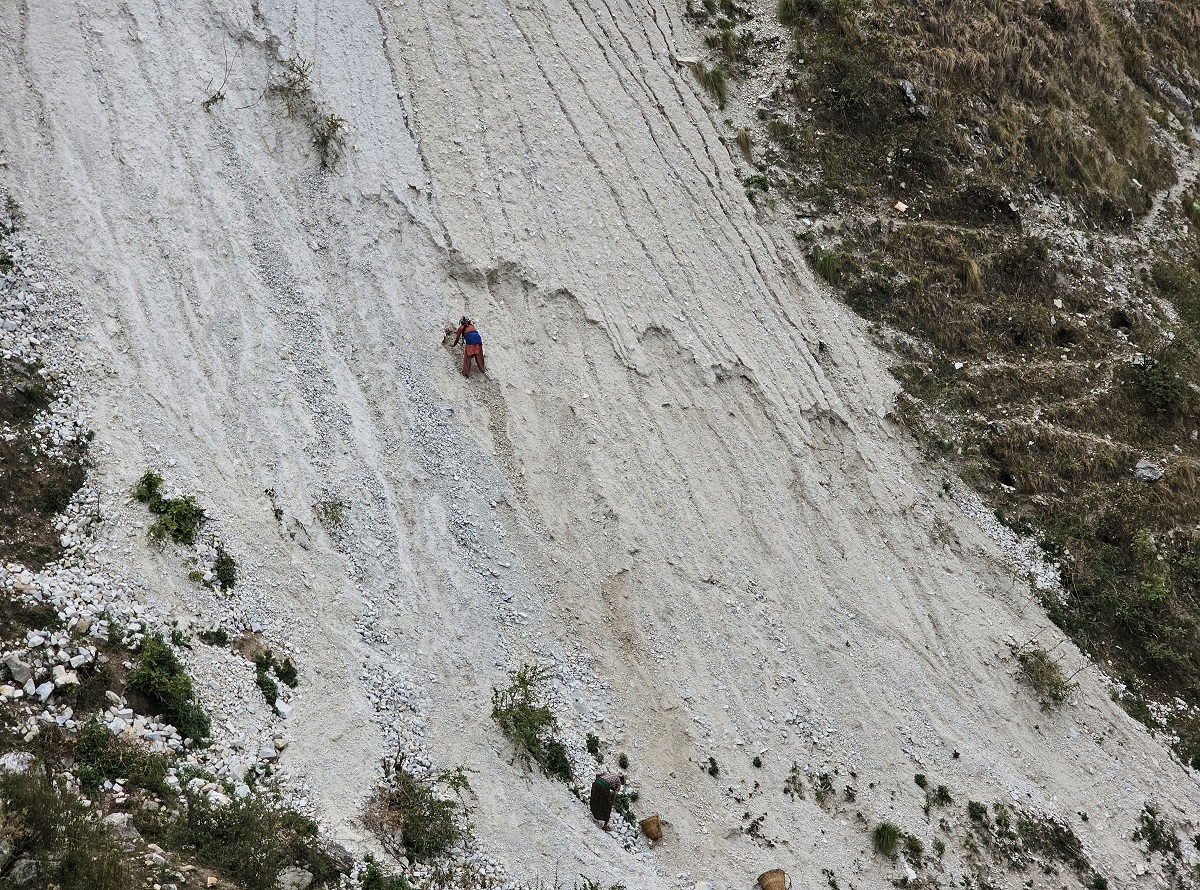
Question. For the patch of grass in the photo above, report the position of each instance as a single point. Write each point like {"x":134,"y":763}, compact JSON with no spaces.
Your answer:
{"x":35,"y":485}
{"x":1053,"y":839}
{"x":623,"y":760}
{"x":1044,"y":674}
{"x":216,"y":636}
{"x":744,"y":143}
{"x":885,"y":839}
{"x":757,"y":762}
{"x":263,"y":681}
{"x":826,"y":263}
{"x":977,"y":811}
{"x":45,"y":823}
{"x":714,"y":80}
{"x":429,"y":823}
{"x":330,"y":512}
{"x":793,"y":785}
{"x":329,"y":137}
{"x":99,"y":756}
{"x":921,"y":781}
{"x":593,"y":746}
{"x":713,"y":769}
{"x":522,"y":715}
{"x":160,"y":677}
{"x":293,"y":83}
{"x":823,"y":788}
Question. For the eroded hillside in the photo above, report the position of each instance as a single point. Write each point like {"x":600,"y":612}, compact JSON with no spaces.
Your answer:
{"x":681,"y":489}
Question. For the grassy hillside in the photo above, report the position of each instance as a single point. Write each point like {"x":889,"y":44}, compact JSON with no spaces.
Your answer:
{"x":1006,"y":188}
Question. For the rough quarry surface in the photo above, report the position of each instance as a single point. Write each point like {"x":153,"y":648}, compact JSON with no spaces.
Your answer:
{"x":680,"y":484}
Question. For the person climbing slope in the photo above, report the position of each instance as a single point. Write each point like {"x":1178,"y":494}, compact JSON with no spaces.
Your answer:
{"x":467,"y":333}
{"x":604,"y":794}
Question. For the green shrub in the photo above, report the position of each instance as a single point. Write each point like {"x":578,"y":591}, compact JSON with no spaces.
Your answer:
{"x":266,"y":685}
{"x":178,"y":518}
{"x":215,"y":637}
{"x":373,"y":877}
{"x":529,"y":723}
{"x":1044,"y":674}
{"x":225,"y":568}
{"x":593,"y":746}
{"x":45,"y":822}
{"x":428,"y":824}
{"x":921,"y":781}
{"x":159,"y":676}
{"x":99,"y":756}
{"x":1155,"y":833}
{"x":885,"y":838}
{"x":330,"y":139}
{"x":977,"y":811}
{"x":248,"y":840}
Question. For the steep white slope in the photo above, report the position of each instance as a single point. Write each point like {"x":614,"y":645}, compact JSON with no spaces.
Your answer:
{"x":665,"y":482}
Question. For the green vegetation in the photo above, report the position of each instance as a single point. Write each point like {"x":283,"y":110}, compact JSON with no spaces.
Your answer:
{"x":330,"y":512}
{"x":528,"y":722}
{"x":217,"y":636}
{"x":329,"y":137}
{"x":293,"y":85}
{"x":99,"y":756}
{"x":885,"y":838}
{"x":1030,"y":343}
{"x":428,"y":823}
{"x":225,"y":568}
{"x":179,"y":519}
{"x":373,"y":877}
{"x":793,"y":785}
{"x":249,"y":840}
{"x":1155,"y":833}
{"x":823,"y":788}
{"x":713,"y":769}
{"x":47,"y":831}
{"x":714,"y":80}
{"x":35,"y":485}
{"x":1044,"y":674}
{"x":160,"y":677}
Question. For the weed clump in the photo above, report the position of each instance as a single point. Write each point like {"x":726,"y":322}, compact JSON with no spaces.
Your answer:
{"x":285,"y":670}
{"x":373,"y":877}
{"x":528,"y":722}
{"x":160,"y":677}
{"x":428,"y":823}
{"x":885,"y":838}
{"x":1044,"y":674}
{"x":217,"y":636}
{"x":99,"y":756}
{"x":46,"y":825}
{"x":179,"y":518}
{"x":330,"y":512}
{"x":225,"y":568}
{"x":714,"y":80}
{"x":249,"y":840}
